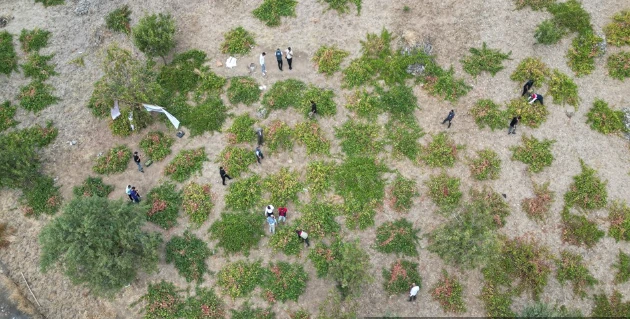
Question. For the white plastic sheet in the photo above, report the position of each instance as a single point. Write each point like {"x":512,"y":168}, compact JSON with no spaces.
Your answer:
{"x":231,"y":62}
{"x":159,"y":109}
{"x":115,"y":111}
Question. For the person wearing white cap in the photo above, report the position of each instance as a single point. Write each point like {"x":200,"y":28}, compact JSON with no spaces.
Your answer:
{"x":269,"y":210}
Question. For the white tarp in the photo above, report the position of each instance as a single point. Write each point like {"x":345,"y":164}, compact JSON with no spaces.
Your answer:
{"x":159,"y":109}
{"x":115,"y":111}
{"x":231,"y":62}
{"x":130,"y":118}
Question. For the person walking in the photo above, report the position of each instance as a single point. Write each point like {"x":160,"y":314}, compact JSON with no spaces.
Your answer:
{"x":513,"y":123}
{"x":262,"y":64}
{"x":288,"y":53}
{"x":303,"y":235}
{"x":313,"y":109}
{"x":279,"y":58}
{"x":413,"y":292}
{"x":135,"y":196}
{"x":282,"y":213}
{"x":259,"y":135}
{"x":527,"y":87}
{"x":271,"y":220}
{"x":269,"y":210}
{"x":259,"y":154}
{"x":136,"y":158}
{"x":223,"y":174}
{"x":128,"y":192}
{"x":536,"y":97}
{"x":449,"y":118}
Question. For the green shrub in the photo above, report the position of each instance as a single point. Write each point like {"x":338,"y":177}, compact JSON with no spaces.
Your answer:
{"x":237,"y":232}
{"x":531,"y":69}
{"x":571,"y":268}
{"x":322,"y":256}
{"x":493,"y":204}
{"x":206,"y":117}
{"x":34,"y":40}
{"x":618,"y":31}
{"x":364,"y":104}
{"x":119,"y":20}
{"x":113,"y":161}
{"x":8,"y":57}
{"x":623,"y":268}
{"x":239,"y":278}
{"x":328,"y":59}
{"x":487,"y":166}
{"x":165,"y":202}
{"x":444,"y":191}
{"x":399,"y":100}
{"x":611,"y":307}
{"x":236,"y":160}
{"x":121,"y":126}
{"x":536,"y":154}
{"x":618,"y":65}
{"x":162,"y":301}
{"x":534,"y":4}
{"x":448,"y":291}
{"x":496,"y":302}
{"x":358,"y":73}
{"x":359,"y":139}
{"x":400,"y":277}
{"x":36,"y":96}
{"x":40,"y":196}
{"x":484,"y":59}
{"x":155,"y":35}
{"x":197,"y":202}
{"x":441,"y":152}
{"x":210,"y":86}
{"x":283,"y":186}
{"x":571,"y":15}
{"x":93,"y":186}
{"x":578,"y":230}
{"x":241,"y":130}
{"x":284,"y":94}
{"x":350,"y":269}
{"x":563,"y":89}
{"x":402,"y":192}
{"x":542,"y":310}
{"x":7,"y":112}
{"x":186,"y":164}
{"x":619,"y":218}
{"x":156,"y":145}
{"x":403,"y":135}
{"x":318,"y":176}
{"x":310,"y":135}
{"x":397,"y":237}
{"x":326,"y":105}
{"x":279,"y":136}
{"x":359,"y":178}
{"x":359,"y":214}
{"x":284,"y":282}
{"x":532,"y":115}
{"x":487,"y":113}
{"x":34,"y":136}
{"x":286,"y":240}
{"x":244,"y":194}
{"x":99,"y":243}
{"x":204,"y":305}
{"x":318,"y":219}
{"x":48,"y":3}
{"x":238,"y":41}
{"x":184,"y":73}
{"x":581,"y":56}
{"x":443,"y":83}
{"x":300,"y":314}
{"x":342,"y":6}
{"x":587,"y":190}
{"x":605,"y":120}
{"x":538,"y":207}
{"x":270,"y":11}
{"x":243,"y":89}
{"x":189,"y":254}
{"x":549,"y":32}
{"x":247,"y":312}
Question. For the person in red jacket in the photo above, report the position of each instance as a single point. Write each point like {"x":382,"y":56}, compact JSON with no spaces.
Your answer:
{"x":282,"y":212}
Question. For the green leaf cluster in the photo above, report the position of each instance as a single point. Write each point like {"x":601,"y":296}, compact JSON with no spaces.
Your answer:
{"x":113,"y":161}
{"x":238,"y":41}
{"x":604,"y":119}
{"x":397,"y":237}
{"x":535,"y":153}
{"x":8,"y":57}
{"x":93,"y":186}
{"x":189,"y":254}
{"x":237,"y":232}
{"x":156,"y":145}
{"x":571,"y":268}
{"x":164,"y":201}
{"x":484,"y":59}
{"x":186,"y":164}
{"x":328,"y":59}
{"x":119,"y":20}
{"x":270,"y":11}
{"x":400,"y":277}
{"x":197,"y":202}
{"x":243,"y":89}
{"x":244,"y":194}
{"x":155,"y":35}
{"x":236,"y":160}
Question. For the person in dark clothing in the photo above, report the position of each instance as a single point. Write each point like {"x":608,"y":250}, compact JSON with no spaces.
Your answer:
{"x":135,"y":196}
{"x":223,"y":174}
{"x":279,"y":58}
{"x":536,"y":97}
{"x":527,"y":87}
{"x":259,"y":154}
{"x":136,"y":158}
{"x":128,"y":192}
{"x":259,"y":135}
{"x":313,"y":108}
{"x":449,"y":118}
{"x":513,"y":123}
{"x":303,"y":236}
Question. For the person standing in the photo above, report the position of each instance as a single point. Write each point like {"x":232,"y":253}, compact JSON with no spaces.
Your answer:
{"x":527,"y":87}
{"x":282,"y":213}
{"x":128,"y":192}
{"x":413,"y":292}
{"x":135,"y":196}
{"x":536,"y":97}
{"x":262,"y":64}
{"x":259,"y":135}
{"x":271,"y":220}
{"x":513,"y":123}
{"x":269,"y":210}
{"x":288,"y":53}
{"x":223,"y":174}
{"x":259,"y":154}
{"x":303,"y":235}
{"x":313,"y":108}
{"x":279,"y":58}
{"x":449,"y":118}
{"x":136,"y":158}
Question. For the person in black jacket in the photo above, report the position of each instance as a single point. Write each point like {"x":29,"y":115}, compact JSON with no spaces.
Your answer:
{"x":223,"y":174}
{"x":527,"y":87}
{"x":449,"y":118}
{"x":513,"y":123}
{"x":136,"y":158}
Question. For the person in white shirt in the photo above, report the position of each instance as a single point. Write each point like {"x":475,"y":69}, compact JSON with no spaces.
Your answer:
{"x":303,"y":235}
{"x":536,"y":97}
{"x":262,"y":64}
{"x":288,"y":53}
{"x":414,"y":292}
